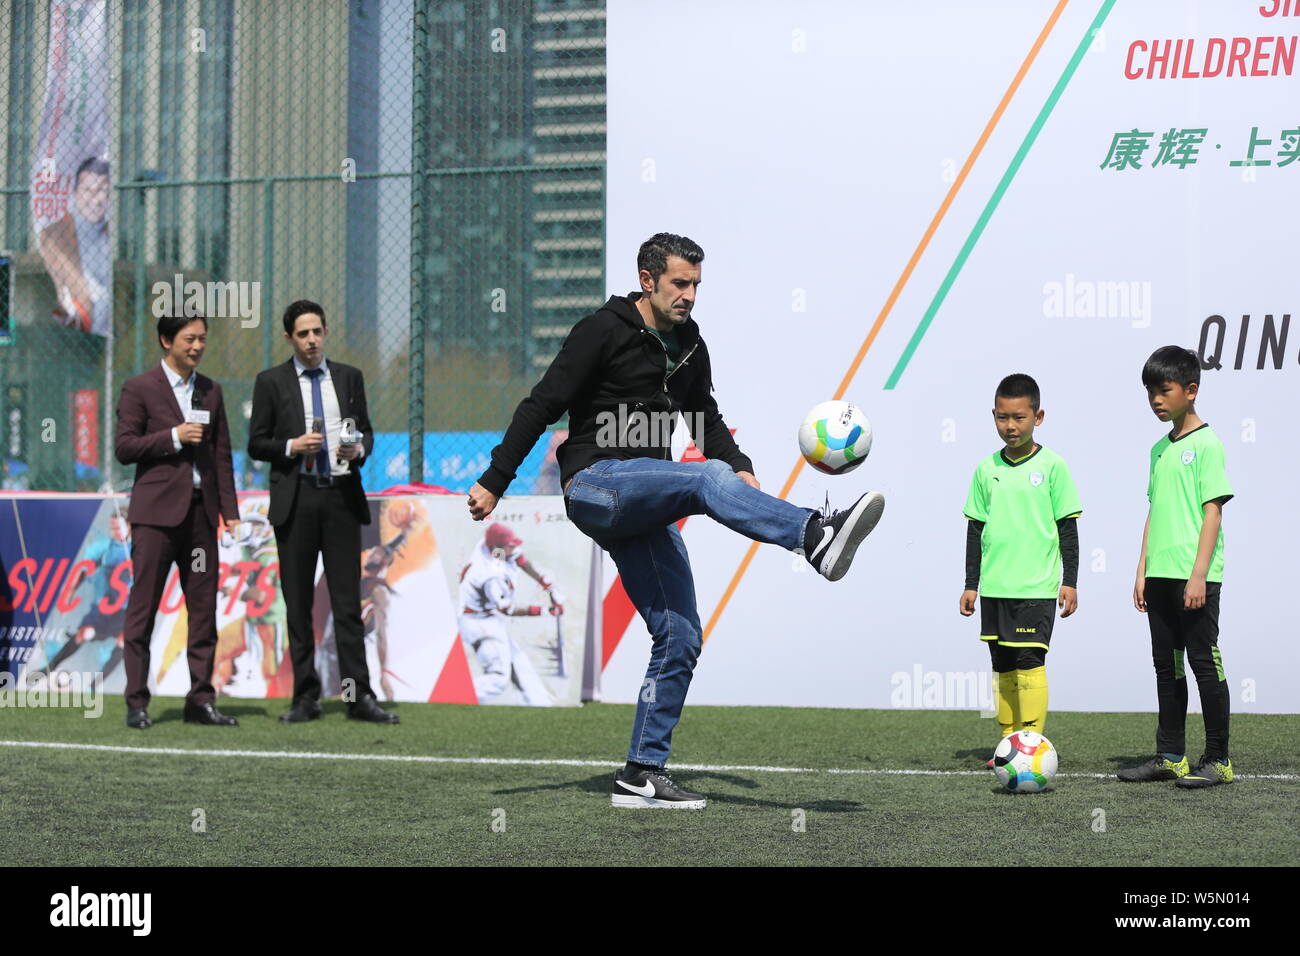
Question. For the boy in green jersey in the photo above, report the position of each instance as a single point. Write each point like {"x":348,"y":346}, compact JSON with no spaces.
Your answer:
{"x":1022,"y":554}
{"x":1180,"y":573}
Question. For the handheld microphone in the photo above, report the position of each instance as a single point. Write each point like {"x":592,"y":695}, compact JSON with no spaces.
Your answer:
{"x":318,"y":427}
{"x":348,"y":435}
{"x":197,"y":406}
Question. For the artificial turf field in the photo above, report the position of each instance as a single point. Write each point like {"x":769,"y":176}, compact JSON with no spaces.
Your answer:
{"x":92,"y":807}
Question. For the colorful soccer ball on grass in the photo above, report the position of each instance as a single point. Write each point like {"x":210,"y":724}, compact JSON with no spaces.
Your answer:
{"x":1025,"y":762}
{"x":835,"y":437}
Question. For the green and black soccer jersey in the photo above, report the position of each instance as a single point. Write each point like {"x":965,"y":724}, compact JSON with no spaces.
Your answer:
{"x":1185,"y":473}
{"x":1019,"y":504}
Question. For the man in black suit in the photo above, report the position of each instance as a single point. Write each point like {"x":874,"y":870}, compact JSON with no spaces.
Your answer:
{"x":301,"y":411}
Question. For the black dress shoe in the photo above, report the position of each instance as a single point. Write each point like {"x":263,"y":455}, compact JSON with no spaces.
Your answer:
{"x":137,"y":718}
{"x":208,"y":714}
{"x":367,"y":708}
{"x":303,"y":710}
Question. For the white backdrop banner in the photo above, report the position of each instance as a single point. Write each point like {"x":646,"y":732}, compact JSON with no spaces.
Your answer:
{"x":919,"y":200}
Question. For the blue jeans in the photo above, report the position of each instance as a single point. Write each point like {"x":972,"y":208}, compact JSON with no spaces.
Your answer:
{"x":630,"y":508}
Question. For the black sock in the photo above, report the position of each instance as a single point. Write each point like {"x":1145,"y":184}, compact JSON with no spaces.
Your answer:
{"x":1171,"y":696}
{"x":1215,"y":707}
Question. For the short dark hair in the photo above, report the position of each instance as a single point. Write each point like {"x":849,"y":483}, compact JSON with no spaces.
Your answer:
{"x":298,"y":309}
{"x":1019,"y":385}
{"x":91,"y":164}
{"x":654,"y":252}
{"x":1171,"y":363}
{"x":169,"y":326}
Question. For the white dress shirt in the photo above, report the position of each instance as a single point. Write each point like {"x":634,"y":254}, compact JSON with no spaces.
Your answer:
{"x":333,"y":419}
{"x":183,"y":389}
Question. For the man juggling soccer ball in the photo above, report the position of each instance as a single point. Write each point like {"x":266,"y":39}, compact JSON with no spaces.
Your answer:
{"x":1022,"y":554}
{"x":639,"y":361}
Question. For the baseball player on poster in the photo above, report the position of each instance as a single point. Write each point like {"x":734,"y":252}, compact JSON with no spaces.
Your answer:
{"x":487,"y":595}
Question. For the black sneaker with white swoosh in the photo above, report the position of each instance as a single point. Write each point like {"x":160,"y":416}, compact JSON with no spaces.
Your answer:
{"x":642,"y":788}
{"x":832,"y":537}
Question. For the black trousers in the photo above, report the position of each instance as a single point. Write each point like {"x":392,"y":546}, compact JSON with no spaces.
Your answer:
{"x":1180,"y":636}
{"x":321,"y":523}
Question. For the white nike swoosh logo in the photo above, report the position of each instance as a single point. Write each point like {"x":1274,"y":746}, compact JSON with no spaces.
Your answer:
{"x":827,"y":534}
{"x":648,"y":790}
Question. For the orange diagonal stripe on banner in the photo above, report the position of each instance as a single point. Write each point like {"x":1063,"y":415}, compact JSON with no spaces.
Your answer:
{"x":900,"y":284}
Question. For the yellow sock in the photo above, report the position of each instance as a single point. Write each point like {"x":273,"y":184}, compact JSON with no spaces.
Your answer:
{"x":1031,"y":691}
{"x":1004,"y":692}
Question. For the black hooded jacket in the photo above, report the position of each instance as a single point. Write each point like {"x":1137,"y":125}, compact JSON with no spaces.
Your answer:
{"x":611,"y":377}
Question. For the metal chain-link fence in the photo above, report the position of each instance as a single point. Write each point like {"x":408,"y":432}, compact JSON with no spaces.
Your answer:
{"x":254,"y":152}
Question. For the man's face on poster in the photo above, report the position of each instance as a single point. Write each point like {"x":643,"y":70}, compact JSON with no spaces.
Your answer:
{"x":91,"y":196}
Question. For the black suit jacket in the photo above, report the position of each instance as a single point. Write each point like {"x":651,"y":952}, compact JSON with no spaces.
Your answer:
{"x":278,"y":415}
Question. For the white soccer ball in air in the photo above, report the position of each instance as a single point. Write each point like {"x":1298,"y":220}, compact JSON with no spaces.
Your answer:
{"x":835,"y":437}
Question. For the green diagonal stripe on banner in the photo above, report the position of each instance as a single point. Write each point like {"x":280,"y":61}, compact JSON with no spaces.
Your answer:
{"x":998,"y":193}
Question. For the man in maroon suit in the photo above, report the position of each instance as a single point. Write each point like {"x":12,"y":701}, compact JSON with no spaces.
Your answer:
{"x":171,"y":423}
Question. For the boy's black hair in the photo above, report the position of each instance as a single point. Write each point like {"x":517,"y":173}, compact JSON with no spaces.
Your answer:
{"x":1171,"y":363}
{"x":296,"y":310}
{"x":1018,"y":386}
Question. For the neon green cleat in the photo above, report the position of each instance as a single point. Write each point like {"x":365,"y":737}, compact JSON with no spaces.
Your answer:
{"x":1208,"y":773}
{"x":1157,"y":768}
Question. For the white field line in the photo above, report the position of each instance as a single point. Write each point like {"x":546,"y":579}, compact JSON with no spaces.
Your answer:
{"x":558,"y":762}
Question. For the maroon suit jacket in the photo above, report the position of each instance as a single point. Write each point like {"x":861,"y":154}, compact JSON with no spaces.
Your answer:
{"x":146,"y":414}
